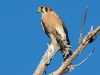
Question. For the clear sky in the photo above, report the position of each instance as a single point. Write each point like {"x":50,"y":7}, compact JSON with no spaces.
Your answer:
{"x":23,"y":42}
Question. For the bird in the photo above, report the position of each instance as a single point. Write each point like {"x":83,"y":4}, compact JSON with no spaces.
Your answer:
{"x":54,"y":27}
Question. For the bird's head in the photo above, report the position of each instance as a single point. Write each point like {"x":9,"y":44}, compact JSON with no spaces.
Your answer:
{"x":44,"y":9}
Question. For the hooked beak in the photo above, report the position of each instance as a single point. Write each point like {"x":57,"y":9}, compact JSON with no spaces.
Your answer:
{"x":38,"y":10}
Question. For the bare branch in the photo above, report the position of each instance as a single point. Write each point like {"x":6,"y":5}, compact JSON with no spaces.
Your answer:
{"x":84,"y":59}
{"x":81,"y":32}
{"x":52,"y":49}
{"x":90,"y":36}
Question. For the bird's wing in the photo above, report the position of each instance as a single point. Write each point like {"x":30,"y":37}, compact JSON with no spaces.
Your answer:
{"x":44,"y":28}
{"x":65,"y":29}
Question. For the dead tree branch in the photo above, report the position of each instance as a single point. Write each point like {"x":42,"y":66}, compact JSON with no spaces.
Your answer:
{"x":90,"y":37}
{"x":52,"y":49}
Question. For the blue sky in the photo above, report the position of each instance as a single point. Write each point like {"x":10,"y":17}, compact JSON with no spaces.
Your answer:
{"x":23,"y":42}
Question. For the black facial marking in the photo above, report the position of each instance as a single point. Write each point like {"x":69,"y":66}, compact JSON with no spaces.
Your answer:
{"x":46,"y":9}
{"x":41,"y":9}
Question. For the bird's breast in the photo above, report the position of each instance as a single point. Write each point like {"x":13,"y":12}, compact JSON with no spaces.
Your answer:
{"x":51,"y":21}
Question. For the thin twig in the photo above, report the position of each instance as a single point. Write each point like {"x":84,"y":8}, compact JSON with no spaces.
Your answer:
{"x":81,"y":32}
{"x":85,"y":58}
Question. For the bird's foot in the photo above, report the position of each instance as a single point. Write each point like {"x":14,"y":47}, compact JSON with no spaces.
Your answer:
{"x":71,"y":68}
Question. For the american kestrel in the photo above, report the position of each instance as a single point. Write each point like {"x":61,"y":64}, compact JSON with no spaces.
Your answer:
{"x":54,"y":27}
